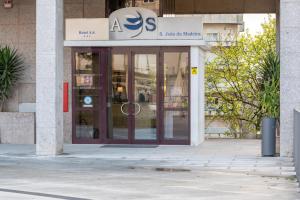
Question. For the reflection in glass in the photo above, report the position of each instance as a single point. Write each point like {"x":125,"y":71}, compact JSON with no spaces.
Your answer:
{"x":118,"y":97}
{"x":114,"y":5}
{"x":145,"y":96}
{"x":87,"y":63}
{"x":176,"y":95}
{"x":176,"y":79}
{"x":148,"y":4}
{"x":87,"y":81}
{"x":176,"y":125}
{"x":87,"y":125}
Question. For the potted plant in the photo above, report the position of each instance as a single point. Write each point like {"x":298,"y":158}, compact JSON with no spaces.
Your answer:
{"x":11,"y":71}
{"x":270,"y":101}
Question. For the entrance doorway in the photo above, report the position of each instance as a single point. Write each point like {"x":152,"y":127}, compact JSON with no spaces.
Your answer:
{"x":131,"y":95}
{"x":134,"y":95}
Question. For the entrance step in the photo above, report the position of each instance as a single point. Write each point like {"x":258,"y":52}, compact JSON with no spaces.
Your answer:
{"x":142,"y":146}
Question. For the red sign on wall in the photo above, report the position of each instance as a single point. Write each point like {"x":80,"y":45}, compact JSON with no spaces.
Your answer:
{"x":66,"y":97}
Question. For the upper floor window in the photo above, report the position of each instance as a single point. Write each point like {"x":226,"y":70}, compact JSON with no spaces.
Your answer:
{"x":212,"y":37}
{"x":113,"y":5}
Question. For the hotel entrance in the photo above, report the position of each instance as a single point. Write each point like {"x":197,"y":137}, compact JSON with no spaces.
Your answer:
{"x":131,"y":95}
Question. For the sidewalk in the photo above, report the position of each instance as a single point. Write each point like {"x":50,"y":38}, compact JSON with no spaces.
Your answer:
{"x":218,"y":169}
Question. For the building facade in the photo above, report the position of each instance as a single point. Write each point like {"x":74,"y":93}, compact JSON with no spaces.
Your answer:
{"x":36,"y":29}
{"x":23,"y":99}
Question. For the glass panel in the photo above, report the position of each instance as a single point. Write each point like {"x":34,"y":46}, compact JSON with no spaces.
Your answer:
{"x":87,"y":125}
{"x":149,"y":4}
{"x":87,"y":63}
{"x":176,"y":125}
{"x":145,"y":96}
{"x":87,"y":81}
{"x":176,"y":95}
{"x":86,"y":85}
{"x":118,"y":4}
{"x":118,"y":97}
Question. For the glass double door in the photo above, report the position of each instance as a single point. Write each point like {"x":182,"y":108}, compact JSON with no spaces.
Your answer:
{"x":133,"y":96}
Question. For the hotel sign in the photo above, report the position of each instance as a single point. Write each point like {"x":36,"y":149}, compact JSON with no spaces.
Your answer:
{"x":180,"y":28}
{"x":87,"y":29}
{"x":132,"y":23}
{"x":135,"y":23}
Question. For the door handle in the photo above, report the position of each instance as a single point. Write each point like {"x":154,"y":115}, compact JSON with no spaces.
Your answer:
{"x":124,"y":113}
{"x":139,"y":109}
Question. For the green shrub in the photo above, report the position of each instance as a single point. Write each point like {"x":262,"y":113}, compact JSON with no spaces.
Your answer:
{"x":270,"y":91}
{"x":11,"y":71}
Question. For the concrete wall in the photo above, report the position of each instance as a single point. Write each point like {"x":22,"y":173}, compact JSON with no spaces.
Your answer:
{"x":297,"y":141}
{"x":17,"y":128}
{"x":223,"y":19}
{"x":197,"y":96}
{"x":224,"y":6}
{"x":17,"y":27}
{"x":289,"y":72}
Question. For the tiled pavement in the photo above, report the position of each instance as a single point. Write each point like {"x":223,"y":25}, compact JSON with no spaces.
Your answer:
{"x":218,"y":169}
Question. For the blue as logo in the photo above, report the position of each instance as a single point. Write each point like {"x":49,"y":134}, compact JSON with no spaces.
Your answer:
{"x":132,"y":23}
{"x":137,"y":23}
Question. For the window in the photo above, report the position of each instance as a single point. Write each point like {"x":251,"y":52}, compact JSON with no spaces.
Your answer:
{"x":176,"y":95}
{"x":212,"y":37}
{"x":148,"y":4}
{"x":118,"y":4}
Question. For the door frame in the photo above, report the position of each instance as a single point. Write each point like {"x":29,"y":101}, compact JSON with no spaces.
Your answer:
{"x":163,"y":50}
{"x":131,"y":51}
{"x":105,"y":62}
{"x":146,"y":50}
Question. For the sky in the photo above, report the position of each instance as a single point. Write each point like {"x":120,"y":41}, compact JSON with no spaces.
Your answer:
{"x":253,"y":22}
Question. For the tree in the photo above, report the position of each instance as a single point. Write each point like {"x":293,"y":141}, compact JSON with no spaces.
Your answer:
{"x":233,"y":77}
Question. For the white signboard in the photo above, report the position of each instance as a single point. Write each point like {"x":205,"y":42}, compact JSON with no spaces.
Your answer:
{"x":180,"y":28}
{"x":135,"y":23}
{"x":87,"y":29}
{"x":132,"y":24}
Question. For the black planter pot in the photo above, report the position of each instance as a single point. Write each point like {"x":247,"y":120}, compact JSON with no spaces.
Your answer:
{"x":268,"y":147}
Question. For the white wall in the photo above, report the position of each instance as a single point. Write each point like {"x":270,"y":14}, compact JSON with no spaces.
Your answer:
{"x":197,"y":95}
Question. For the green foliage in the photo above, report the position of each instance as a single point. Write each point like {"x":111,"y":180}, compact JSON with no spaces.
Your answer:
{"x":270,"y":91}
{"x":11,"y":69}
{"x":234,"y":77}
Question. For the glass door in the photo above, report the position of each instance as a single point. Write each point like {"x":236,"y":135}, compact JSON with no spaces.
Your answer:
{"x":119,"y":97}
{"x":145,"y":96}
{"x":88,"y":116}
{"x":132,"y":96}
{"x":175,"y":96}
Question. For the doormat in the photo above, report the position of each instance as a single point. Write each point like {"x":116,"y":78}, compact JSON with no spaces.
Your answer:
{"x":143,"y":146}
